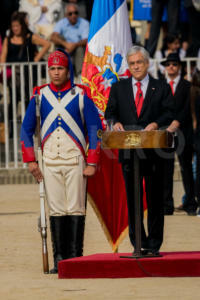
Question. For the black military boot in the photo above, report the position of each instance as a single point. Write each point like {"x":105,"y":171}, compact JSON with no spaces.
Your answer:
{"x":76,"y":235}
{"x":57,"y":226}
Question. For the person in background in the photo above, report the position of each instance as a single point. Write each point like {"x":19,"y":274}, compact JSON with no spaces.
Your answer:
{"x":144,"y":103}
{"x":71,"y":34}
{"x":14,"y":50}
{"x":82,"y":5}
{"x":42,"y":15}
{"x":14,"y":47}
{"x":171,"y":44}
{"x":65,"y":165}
{"x":182,"y":125}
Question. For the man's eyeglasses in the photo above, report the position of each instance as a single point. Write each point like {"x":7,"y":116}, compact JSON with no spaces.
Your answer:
{"x":72,"y":13}
{"x":175,"y":64}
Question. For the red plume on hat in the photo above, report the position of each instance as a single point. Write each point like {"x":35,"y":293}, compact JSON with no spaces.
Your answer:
{"x":57,"y":58}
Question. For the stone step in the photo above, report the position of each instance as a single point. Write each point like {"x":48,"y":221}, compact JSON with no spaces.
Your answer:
{"x":22,"y":176}
{"x":16,"y":176}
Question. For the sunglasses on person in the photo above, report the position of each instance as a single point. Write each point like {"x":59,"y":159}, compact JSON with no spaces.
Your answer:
{"x":72,"y":13}
{"x":175,"y":64}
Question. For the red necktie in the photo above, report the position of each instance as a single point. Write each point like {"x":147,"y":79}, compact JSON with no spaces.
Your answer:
{"x":172,"y":86}
{"x":139,"y":99}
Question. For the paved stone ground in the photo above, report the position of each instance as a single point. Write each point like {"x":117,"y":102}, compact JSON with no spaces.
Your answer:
{"x":21,"y":274}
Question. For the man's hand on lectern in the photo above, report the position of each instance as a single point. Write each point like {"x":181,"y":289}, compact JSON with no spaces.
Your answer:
{"x":173,"y":126}
{"x":118,"y":127}
{"x":151,"y":126}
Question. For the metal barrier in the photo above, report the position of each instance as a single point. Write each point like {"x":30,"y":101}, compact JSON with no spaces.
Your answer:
{"x":154,"y":66}
{"x":15,"y":93}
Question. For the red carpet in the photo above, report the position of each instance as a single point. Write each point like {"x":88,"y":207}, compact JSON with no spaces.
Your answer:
{"x":109,"y":265}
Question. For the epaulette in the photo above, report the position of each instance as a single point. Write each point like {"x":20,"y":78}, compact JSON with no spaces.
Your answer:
{"x":37,"y":89}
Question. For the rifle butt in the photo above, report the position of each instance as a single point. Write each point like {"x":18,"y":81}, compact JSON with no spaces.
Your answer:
{"x":45,"y":263}
{"x":44,"y":251}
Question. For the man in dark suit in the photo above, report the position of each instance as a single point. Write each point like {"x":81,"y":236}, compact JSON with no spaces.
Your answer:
{"x":141,"y":102}
{"x":182,"y":124}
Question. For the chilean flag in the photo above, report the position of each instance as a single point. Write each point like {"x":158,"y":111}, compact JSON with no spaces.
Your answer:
{"x":105,"y":63}
{"x":105,"y":57}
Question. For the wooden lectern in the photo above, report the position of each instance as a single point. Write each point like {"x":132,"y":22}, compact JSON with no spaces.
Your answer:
{"x":137,"y":140}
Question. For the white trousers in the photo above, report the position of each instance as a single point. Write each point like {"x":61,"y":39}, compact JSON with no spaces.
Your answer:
{"x":65,"y":187}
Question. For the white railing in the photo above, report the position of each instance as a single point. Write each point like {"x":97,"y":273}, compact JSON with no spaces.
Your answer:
{"x":10,"y":150}
{"x":15,"y":88}
{"x":154,"y":66}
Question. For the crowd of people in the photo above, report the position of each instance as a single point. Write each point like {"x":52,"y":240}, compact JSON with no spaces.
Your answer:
{"x":174,"y":104}
{"x":65,"y":24}
{"x":36,"y":23}
{"x":180,"y":39}
{"x":30,"y":37}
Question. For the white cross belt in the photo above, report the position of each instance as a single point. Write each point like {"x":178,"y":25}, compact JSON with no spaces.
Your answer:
{"x":59,"y":109}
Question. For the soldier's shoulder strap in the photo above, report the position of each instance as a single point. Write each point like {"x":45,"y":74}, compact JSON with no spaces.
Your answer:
{"x":37,"y":89}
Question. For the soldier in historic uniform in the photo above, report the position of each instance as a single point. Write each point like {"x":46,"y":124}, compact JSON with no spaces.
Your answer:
{"x":68,"y":117}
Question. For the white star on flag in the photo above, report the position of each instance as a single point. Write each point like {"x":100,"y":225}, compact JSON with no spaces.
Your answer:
{"x":107,"y":83}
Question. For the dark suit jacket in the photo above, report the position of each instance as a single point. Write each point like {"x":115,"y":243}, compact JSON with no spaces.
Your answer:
{"x":183,"y":109}
{"x":157,"y":106}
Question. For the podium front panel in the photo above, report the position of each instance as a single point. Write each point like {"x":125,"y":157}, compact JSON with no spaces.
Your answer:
{"x":136,"y":139}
